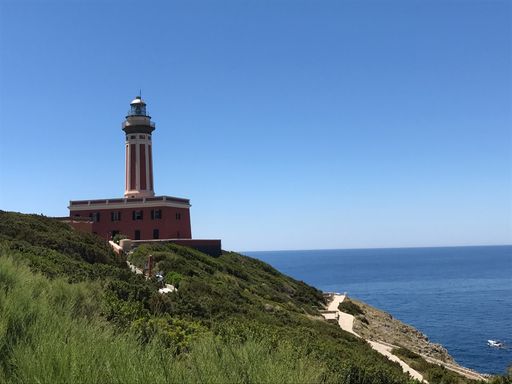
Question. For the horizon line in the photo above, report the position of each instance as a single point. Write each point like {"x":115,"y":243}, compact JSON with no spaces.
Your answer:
{"x":376,"y":248}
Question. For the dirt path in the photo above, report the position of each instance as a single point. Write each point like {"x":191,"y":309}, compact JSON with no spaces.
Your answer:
{"x":386,"y":351}
{"x":346,"y":322}
{"x":134,"y":269}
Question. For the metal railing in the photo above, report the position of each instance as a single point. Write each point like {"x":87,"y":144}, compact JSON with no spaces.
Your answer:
{"x":151,"y":124}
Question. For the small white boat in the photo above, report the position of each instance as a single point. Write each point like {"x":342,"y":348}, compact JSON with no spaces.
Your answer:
{"x":495,"y":343}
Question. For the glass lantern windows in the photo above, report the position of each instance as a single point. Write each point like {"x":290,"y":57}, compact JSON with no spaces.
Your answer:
{"x":138,"y":110}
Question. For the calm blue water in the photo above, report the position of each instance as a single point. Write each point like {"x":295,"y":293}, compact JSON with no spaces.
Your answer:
{"x":458,"y":296}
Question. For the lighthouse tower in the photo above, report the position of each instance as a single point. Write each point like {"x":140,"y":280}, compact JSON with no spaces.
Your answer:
{"x":139,"y":160}
{"x":140,"y":215}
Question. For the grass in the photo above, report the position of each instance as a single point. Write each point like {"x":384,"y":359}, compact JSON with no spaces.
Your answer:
{"x":52,"y":332}
{"x":71,"y":311}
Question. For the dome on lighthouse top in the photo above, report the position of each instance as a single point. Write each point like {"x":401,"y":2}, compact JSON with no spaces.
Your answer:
{"x":137,"y":107}
{"x":138,"y":100}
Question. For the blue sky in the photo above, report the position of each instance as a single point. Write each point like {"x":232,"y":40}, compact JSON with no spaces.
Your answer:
{"x":289,"y":124}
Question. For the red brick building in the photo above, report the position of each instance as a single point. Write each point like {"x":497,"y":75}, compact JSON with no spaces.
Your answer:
{"x":140,"y":214}
{"x":160,"y":217}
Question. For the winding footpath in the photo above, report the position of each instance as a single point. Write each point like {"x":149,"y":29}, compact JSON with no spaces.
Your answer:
{"x":346,"y":322}
{"x":167,"y":288}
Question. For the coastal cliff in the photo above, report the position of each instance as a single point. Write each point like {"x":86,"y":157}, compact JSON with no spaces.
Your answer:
{"x":375,"y":324}
{"x":430,"y":360}
{"x":72,"y":311}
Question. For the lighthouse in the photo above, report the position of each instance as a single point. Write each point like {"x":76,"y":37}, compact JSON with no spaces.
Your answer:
{"x":138,"y":128}
{"x":140,"y":215}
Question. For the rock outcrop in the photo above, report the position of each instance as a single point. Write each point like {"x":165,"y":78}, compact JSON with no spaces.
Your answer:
{"x":375,"y":324}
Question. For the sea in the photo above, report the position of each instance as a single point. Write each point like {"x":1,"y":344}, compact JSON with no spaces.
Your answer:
{"x":459,"y":297}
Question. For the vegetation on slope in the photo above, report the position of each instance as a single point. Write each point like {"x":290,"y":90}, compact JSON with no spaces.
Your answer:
{"x":54,"y":249}
{"x":434,"y":373}
{"x":53,"y":332}
{"x":73,"y":312}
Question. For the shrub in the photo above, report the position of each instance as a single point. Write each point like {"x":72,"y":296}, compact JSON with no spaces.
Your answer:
{"x":404,"y":352}
{"x":175,"y":334}
{"x":348,"y":306}
{"x":117,"y":238}
{"x":173,"y":278}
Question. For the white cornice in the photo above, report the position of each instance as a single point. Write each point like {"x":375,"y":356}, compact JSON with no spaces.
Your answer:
{"x":128,"y":204}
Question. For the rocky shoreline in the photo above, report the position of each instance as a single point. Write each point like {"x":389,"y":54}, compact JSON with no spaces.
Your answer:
{"x":380,"y":325}
{"x":377,"y":325}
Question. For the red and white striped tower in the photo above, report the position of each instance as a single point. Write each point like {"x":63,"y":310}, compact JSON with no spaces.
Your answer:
{"x":139,"y":160}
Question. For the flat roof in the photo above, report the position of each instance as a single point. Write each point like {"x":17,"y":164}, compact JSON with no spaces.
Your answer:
{"x":129,"y":202}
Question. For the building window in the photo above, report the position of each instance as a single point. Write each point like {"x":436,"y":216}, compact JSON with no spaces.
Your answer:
{"x":137,"y":234}
{"x":156,"y":214}
{"x":178,"y":216}
{"x":149,"y":137}
{"x":156,"y":234}
{"x":95,"y":216}
{"x":115,"y":216}
{"x":137,"y":215}
{"x":142,"y":137}
{"x":133,"y":137}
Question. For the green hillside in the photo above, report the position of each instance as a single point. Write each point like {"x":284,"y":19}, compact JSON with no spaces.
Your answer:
{"x":71,"y":311}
